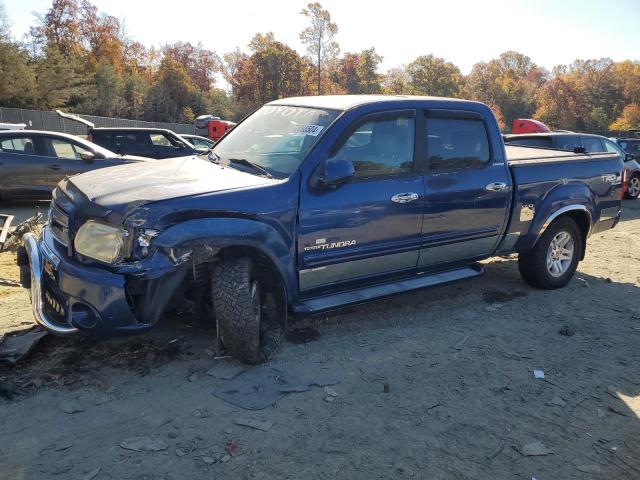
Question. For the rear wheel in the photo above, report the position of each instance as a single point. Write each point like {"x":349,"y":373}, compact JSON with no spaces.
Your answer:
{"x":246,"y":327}
{"x":633,"y":188}
{"x":554,"y":259}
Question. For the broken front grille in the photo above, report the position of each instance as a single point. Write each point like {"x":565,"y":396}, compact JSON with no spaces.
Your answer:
{"x":59,"y":224}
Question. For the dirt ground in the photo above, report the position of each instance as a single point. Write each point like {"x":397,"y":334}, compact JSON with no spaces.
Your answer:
{"x":437,"y":384}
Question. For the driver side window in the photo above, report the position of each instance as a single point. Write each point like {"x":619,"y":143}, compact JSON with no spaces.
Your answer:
{"x":381,"y":147}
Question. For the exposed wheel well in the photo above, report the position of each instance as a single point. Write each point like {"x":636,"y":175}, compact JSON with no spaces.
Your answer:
{"x":272,"y":280}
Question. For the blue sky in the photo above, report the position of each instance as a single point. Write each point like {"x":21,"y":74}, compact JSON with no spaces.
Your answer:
{"x":463,"y":32}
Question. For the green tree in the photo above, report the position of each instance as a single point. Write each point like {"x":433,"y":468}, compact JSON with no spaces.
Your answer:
{"x":108,"y":93}
{"x":170,"y":94}
{"x":134,"y":92}
{"x":318,"y":38}
{"x":430,"y":75}
{"x":61,"y":82}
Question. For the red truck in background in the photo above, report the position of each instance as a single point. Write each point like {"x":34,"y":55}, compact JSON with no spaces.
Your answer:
{"x":212,"y":127}
{"x":528,"y":125}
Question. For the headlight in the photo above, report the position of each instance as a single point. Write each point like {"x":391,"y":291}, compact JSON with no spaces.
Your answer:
{"x":101,"y":242}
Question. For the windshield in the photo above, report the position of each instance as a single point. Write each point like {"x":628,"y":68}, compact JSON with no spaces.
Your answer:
{"x":276,"y":138}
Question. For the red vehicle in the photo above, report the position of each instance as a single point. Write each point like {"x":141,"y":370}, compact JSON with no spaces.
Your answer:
{"x":212,"y":127}
{"x":528,"y":125}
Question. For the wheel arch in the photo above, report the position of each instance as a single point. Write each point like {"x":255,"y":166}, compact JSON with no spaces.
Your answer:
{"x":579,"y":214}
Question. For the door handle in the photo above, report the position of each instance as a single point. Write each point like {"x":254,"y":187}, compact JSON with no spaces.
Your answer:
{"x":55,"y":166}
{"x":405,"y":197}
{"x":496,"y":187}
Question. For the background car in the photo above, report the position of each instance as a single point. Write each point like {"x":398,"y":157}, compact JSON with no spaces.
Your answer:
{"x":629,"y":145}
{"x":146,"y":142}
{"x":591,"y":144}
{"x":198,"y":141}
{"x":33,"y":162}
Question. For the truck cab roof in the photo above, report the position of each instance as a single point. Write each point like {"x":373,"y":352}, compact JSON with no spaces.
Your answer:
{"x":347,"y":102}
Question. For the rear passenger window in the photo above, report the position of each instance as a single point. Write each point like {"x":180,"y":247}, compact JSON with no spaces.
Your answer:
{"x":592,"y":145}
{"x":568,"y":143}
{"x":455,"y":144}
{"x":23,"y":145}
{"x":381,"y":147}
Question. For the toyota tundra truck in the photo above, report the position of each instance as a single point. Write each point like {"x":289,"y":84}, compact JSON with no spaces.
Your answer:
{"x":311,"y":204}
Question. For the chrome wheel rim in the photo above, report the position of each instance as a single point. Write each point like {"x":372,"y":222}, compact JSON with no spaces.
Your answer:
{"x":560,"y":254}
{"x":634,"y":187}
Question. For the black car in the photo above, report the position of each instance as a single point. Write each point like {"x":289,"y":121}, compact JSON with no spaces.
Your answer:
{"x":145,"y":142}
{"x":590,"y":144}
{"x":33,"y":162}
{"x":629,"y":145}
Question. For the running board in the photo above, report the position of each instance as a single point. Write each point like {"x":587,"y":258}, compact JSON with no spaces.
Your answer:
{"x":366,"y":294}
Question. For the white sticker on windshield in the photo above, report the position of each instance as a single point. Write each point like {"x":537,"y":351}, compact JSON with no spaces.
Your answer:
{"x":313,"y":130}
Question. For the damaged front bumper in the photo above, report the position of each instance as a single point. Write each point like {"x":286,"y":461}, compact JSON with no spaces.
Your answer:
{"x":68,"y":296}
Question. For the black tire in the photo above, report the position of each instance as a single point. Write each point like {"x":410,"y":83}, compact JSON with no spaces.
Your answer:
{"x":246,"y":329}
{"x":633,"y":186}
{"x":533,"y":264}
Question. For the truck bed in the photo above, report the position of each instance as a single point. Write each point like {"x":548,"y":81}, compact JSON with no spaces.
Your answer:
{"x":520,"y":154}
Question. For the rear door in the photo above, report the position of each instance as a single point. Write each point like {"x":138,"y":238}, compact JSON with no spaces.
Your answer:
{"x":22,"y":172}
{"x":371,"y":225}
{"x":467,"y":193}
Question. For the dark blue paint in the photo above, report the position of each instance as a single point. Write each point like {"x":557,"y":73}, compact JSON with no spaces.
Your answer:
{"x":205,"y":204}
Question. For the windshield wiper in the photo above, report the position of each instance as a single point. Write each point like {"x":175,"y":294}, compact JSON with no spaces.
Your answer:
{"x":255,"y":166}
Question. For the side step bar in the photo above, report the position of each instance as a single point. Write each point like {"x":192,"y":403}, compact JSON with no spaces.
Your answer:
{"x":366,"y":294}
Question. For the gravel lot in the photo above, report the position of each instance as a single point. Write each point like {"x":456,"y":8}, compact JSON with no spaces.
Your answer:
{"x":437,"y":384}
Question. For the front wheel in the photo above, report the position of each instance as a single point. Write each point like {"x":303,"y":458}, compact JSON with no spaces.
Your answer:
{"x":554,"y":259}
{"x":244,"y":325}
{"x":633,"y":188}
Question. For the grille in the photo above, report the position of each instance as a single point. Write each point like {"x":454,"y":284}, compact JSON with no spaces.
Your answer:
{"x":59,"y":225}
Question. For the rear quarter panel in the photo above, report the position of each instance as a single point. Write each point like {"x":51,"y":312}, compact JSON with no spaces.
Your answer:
{"x":541,"y":189}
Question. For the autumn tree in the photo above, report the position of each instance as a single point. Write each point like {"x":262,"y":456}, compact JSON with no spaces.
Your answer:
{"x":558,"y":105}
{"x":318,"y":38}
{"x":396,"y":81}
{"x":60,"y":27}
{"x":201,"y":64}
{"x":510,"y":81}
{"x":272,"y":71}
{"x":357,"y":72}
{"x":630,"y":118}
{"x":430,"y":75}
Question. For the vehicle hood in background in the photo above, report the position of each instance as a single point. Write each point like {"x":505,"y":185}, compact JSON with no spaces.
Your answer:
{"x":124,"y":187}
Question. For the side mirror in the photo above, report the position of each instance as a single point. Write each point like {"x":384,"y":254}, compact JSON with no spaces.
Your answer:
{"x":336,"y":171}
{"x":88,"y":157}
{"x":180,"y":145}
{"x":629,"y":156}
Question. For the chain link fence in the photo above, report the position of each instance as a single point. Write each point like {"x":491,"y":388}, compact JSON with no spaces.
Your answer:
{"x":51,"y":121}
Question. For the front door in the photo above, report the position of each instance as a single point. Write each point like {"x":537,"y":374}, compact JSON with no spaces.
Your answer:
{"x":371,"y":225}
{"x":467,"y":194}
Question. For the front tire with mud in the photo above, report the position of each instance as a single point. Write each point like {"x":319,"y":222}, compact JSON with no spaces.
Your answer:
{"x":554,"y":259}
{"x":245,"y":326}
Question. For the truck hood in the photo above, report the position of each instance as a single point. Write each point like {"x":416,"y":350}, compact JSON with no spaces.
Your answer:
{"x":122,"y":188}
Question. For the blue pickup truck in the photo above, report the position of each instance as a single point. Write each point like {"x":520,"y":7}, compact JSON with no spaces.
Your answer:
{"x":311,"y":204}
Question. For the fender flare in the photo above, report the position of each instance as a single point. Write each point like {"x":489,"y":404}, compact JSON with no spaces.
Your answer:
{"x":221,"y":232}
